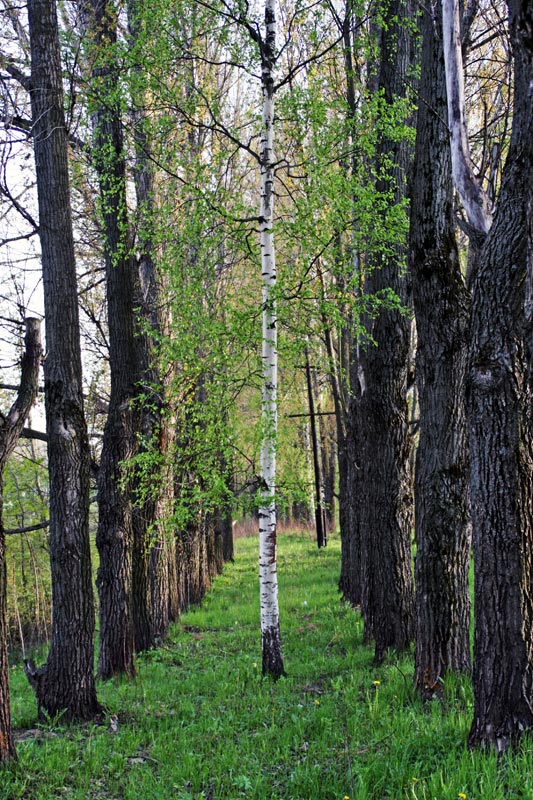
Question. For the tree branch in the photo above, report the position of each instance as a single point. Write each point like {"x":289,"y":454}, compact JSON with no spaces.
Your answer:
{"x":12,"y":425}
{"x":474,"y":199}
{"x":40,"y":526}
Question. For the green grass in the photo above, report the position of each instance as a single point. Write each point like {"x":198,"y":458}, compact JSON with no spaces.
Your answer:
{"x":200,"y":722}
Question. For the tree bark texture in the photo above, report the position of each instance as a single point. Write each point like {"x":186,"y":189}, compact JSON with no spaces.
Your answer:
{"x":442,"y":311}
{"x":350,"y":488}
{"x":385,"y":503}
{"x":65,"y":685}
{"x":501,"y":445}
{"x":268,"y":580}
{"x":114,"y":536}
{"x":11,"y":428}
{"x":193,"y":571}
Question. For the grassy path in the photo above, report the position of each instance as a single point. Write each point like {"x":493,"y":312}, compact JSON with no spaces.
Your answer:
{"x":199,"y":721}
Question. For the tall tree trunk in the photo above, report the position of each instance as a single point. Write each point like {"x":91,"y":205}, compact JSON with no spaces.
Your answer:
{"x":66,"y":683}
{"x":114,"y":536}
{"x":385,"y":505}
{"x":10,"y":429}
{"x":345,"y":378}
{"x":501,"y":444}
{"x":268,"y":579}
{"x":153,"y":546}
{"x":442,"y":309}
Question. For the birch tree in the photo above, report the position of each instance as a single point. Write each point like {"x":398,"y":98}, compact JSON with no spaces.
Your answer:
{"x":268,"y":579}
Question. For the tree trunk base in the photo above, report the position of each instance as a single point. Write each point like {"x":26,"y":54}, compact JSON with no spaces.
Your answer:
{"x":272,"y":658}
{"x":73,"y":704}
{"x":503,"y":735}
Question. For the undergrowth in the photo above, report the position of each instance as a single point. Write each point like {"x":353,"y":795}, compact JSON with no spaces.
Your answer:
{"x":199,"y":721}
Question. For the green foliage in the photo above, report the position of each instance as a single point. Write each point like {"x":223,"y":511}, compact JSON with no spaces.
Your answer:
{"x":200,"y":722}
{"x":25,"y":503}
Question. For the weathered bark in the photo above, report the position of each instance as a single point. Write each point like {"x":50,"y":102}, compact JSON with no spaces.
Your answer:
{"x":501,"y":444}
{"x":350,"y":477}
{"x":268,"y":579}
{"x":193,"y":572}
{"x":159,"y":588}
{"x":385,"y":503}
{"x":474,"y":199}
{"x":65,"y":685}
{"x":114,"y":535}
{"x":442,"y":309}
{"x":11,"y":427}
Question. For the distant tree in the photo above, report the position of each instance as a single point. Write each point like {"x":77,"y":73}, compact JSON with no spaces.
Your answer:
{"x":11,"y":426}
{"x":65,"y":684}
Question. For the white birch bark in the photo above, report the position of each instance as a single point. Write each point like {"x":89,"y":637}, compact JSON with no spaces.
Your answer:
{"x":475,"y":201}
{"x":268,"y":580}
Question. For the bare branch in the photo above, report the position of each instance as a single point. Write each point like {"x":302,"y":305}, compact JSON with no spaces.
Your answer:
{"x":40,"y":526}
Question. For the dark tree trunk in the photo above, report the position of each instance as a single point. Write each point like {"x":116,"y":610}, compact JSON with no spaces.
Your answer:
{"x":11,"y":427}
{"x":385,"y":503}
{"x":328,"y":469}
{"x":159,"y":587}
{"x":153,"y":550}
{"x":114,"y":536}
{"x":501,"y":445}
{"x":66,"y":683}
{"x":442,"y":309}
{"x":226,"y":523}
{"x":7,"y":745}
{"x":343,"y":368}
{"x":191,"y":554}
{"x":350,"y":487}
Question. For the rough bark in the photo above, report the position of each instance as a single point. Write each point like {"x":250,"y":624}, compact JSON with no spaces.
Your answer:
{"x":11,"y":427}
{"x":442,"y":309}
{"x":268,"y":579}
{"x":191,"y":556}
{"x":385,"y":503}
{"x":500,"y":438}
{"x":114,"y":535}
{"x":65,"y":685}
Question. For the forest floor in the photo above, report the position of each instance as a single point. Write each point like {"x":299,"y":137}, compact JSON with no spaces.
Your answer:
{"x":199,"y":721}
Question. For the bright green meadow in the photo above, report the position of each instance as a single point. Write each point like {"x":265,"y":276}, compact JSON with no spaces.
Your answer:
{"x":199,"y":721}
